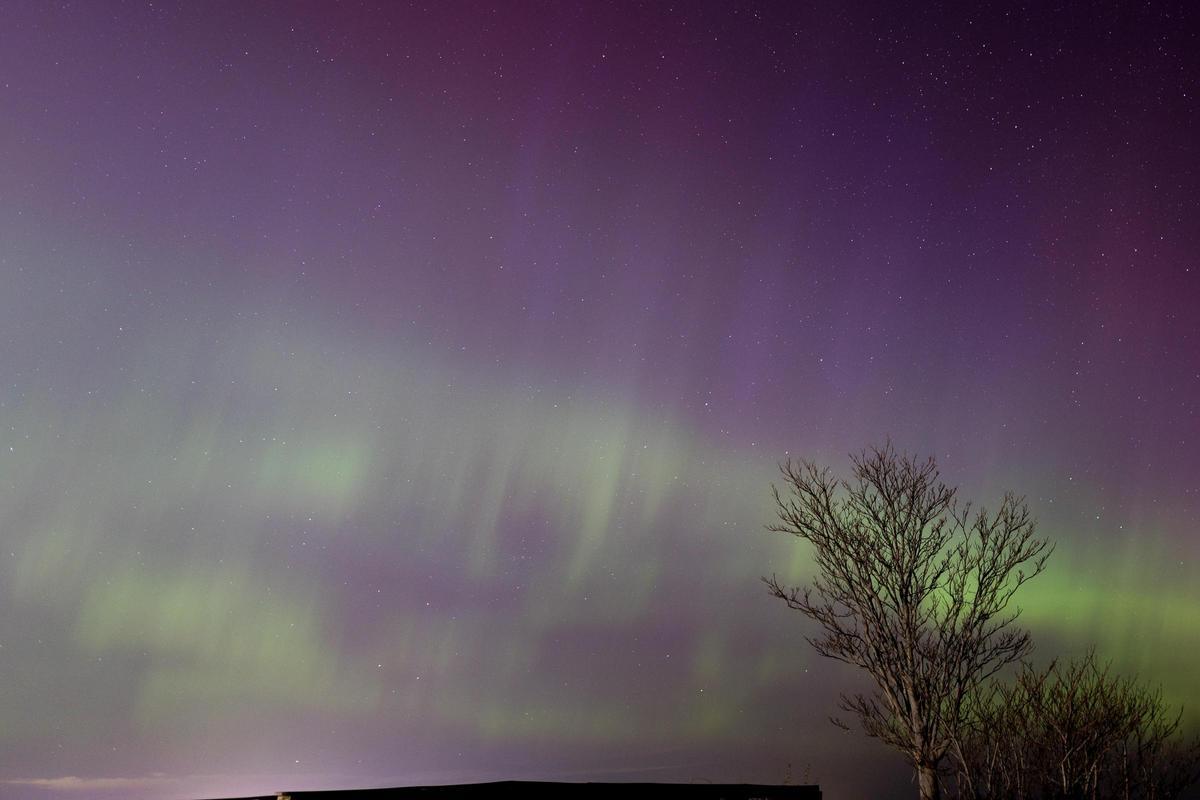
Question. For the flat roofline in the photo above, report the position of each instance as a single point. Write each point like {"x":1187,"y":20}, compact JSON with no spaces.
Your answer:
{"x":561,"y":790}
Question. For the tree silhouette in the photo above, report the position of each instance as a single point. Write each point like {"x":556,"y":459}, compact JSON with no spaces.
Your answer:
{"x":911,"y":587}
{"x":1073,"y":731}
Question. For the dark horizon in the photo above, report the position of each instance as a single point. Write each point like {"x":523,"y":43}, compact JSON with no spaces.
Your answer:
{"x":536,"y":790}
{"x":391,"y":394}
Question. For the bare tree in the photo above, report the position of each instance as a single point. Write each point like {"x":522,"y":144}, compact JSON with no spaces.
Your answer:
{"x":911,"y":587}
{"x":1073,"y":731}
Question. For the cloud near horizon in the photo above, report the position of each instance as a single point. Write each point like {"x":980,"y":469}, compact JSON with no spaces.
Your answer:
{"x":74,"y":783}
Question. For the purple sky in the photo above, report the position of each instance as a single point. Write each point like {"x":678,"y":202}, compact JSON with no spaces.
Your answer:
{"x":391,"y":394}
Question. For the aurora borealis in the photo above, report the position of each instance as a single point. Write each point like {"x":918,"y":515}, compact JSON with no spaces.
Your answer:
{"x":391,"y":393}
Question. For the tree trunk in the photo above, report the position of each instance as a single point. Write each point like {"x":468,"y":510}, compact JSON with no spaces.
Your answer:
{"x":928,"y":782}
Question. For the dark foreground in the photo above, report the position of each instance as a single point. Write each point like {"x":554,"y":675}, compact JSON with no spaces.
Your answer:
{"x":545,"y":790}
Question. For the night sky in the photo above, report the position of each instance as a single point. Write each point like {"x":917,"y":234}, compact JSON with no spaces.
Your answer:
{"x":391,"y":394}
